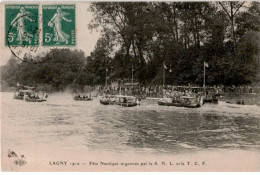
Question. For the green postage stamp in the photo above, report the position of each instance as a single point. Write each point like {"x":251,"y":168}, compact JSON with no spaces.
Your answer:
{"x":21,"y":25}
{"x":58,"y":22}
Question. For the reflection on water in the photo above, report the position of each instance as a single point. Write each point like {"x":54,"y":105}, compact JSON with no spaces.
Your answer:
{"x":65,"y":123}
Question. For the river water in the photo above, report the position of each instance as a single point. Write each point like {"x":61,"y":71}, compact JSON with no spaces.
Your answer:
{"x":61,"y":123}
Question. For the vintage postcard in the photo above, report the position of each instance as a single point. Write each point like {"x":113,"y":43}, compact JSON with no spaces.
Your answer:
{"x":158,"y":86}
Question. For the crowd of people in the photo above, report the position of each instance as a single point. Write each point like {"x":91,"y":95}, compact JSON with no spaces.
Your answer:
{"x":159,"y":91}
{"x":241,"y":89}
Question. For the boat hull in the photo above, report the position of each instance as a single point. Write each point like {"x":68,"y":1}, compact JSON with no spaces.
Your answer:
{"x":214,"y":101}
{"x":127,"y":104}
{"x":34,"y":100}
{"x":197,"y":105}
{"x":169,"y":104}
{"x":105,"y":102}
{"x":82,"y":99}
{"x":18,"y":97}
{"x":192,"y":105}
{"x":237,"y":103}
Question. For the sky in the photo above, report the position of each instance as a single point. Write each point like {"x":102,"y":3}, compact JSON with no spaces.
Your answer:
{"x":85,"y":38}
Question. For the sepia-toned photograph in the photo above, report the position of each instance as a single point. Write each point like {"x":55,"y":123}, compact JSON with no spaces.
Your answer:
{"x":149,"y":86}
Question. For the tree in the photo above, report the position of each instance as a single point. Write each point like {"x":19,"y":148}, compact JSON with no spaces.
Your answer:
{"x":231,"y":9}
{"x":147,"y":34}
{"x":99,"y":62}
{"x":248,"y":20}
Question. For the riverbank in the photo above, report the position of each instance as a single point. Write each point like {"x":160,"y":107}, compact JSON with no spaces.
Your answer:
{"x":249,"y":99}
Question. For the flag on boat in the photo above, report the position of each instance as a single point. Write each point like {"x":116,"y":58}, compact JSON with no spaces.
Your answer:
{"x":206,"y":64}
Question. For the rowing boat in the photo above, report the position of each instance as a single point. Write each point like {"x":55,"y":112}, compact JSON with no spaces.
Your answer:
{"x":28,"y":99}
{"x":83,"y":99}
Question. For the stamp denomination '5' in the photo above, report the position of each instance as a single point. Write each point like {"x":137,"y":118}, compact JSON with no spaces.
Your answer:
{"x":59,"y":25}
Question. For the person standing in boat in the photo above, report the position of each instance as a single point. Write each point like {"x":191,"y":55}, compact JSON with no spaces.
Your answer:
{"x":137,"y":102}
{"x":207,"y":93}
{"x":186,"y":93}
{"x":25,"y":96}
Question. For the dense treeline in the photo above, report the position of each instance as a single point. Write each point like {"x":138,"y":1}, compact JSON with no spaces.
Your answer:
{"x":146,"y":34}
{"x":61,"y":68}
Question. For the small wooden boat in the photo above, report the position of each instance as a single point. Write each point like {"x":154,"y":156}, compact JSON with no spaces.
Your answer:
{"x":210,"y":97}
{"x":194,"y":105}
{"x":19,"y":95}
{"x":105,"y":102}
{"x":83,"y":99}
{"x":191,"y":102}
{"x":127,"y":101}
{"x":132,"y":104}
{"x":165,"y":103}
{"x":108,"y":100}
{"x":29,"y":99}
{"x":185,"y":101}
{"x":242,"y":102}
{"x":210,"y":100}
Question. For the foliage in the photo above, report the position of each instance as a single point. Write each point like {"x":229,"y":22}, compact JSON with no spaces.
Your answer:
{"x":146,"y":34}
{"x":60,"y":69}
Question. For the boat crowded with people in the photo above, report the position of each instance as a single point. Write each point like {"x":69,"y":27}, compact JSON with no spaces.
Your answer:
{"x":210,"y":94}
{"x":183,"y":101}
{"x":127,"y":101}
{"x":19,"y":95}
{"x":169,"y":102}
{"x":191,"y":102}
{"x":29,"y":99}
{"x":108,"y":100}
{"x":83,"y":98}
{"x":36,"y":97}
{"x":22,"y":91}
{"x":29,"y":94}
{"x":121,"y":100}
